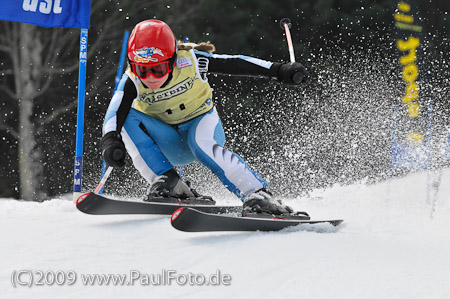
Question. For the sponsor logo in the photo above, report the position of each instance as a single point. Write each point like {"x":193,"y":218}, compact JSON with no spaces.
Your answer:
{"x":45,"y":6}
{"x":184,"y":62}
{"x":83,"y":48}
{"x":410,"y":70}
{"x":177,"y":89}
{"x":208,"y":102}
{"x":203,"y":63}
{"x":145,"y":55}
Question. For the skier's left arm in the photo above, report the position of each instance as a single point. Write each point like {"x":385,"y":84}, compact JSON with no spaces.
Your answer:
{"x":292,"y":73}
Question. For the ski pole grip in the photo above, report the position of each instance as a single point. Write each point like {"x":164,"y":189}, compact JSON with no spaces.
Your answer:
{"x":297,"y":77}
{"x":118,"y":154}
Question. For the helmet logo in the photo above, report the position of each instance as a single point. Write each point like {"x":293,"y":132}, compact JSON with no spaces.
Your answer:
{"x":144,"y":55}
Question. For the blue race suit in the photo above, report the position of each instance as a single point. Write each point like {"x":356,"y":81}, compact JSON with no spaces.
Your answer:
{"x":178,"y":123}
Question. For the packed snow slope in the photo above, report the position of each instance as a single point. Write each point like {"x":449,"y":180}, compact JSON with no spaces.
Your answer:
{"x":388,"y":247}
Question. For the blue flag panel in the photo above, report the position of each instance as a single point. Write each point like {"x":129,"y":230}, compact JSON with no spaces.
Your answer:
{"x":404,"y":156}
{"x":47,"y":13}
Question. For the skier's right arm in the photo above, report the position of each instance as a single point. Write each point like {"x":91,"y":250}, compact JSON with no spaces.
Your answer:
{"x":113,"y":148}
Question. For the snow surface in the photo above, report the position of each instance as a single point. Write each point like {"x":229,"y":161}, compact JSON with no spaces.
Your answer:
{"x":388,"y":247}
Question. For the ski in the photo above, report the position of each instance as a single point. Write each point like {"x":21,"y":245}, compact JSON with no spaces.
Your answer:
{"x":190,"y":220}
{"x":95,"y":204}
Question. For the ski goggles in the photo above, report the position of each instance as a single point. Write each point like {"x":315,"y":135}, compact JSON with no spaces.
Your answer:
{"x":157,"y":70}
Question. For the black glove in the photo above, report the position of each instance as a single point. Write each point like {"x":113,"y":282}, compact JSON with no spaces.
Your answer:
{"x":113,"y":149}
{"x":290,"y":73}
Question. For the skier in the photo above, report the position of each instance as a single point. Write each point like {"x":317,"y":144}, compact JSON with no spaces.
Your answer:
{"x":163,"y":115}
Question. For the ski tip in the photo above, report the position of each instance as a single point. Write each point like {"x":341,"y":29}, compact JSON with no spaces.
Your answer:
{"x":336,"y":222}
{"x":176,"y":214}
{"x":81,"y":198}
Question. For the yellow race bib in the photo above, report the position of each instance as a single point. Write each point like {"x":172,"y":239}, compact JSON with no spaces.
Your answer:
{"x":186,"y":96}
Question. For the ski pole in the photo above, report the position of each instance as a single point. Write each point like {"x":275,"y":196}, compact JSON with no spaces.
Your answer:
{"x":181,"y":172}
{"x":103,"y":180}
{"x":286,"y":24}
{"x":119,"y":73}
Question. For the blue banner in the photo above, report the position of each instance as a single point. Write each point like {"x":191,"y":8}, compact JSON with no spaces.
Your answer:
{"x":412,"y":129}
{"x":47,"y":13}
{"x":407,"y":157}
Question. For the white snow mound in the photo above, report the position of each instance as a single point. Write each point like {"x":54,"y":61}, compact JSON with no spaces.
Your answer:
{"x":390,"y":246}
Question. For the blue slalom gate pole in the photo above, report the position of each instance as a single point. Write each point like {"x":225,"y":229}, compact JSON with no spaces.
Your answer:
{"x":429,"y":149}
{"x":123,"y":52}
{"x":393,"y":141}
{"x":78,"y":172}
{"x":447,"y":146}
{"x":430,"y":135}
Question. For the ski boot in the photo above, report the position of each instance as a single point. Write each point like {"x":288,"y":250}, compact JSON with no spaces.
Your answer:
{"x":260,"y":204}
{"x":169,"y":188}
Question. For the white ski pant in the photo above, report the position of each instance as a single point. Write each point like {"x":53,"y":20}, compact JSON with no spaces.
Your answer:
{"x":156,"y":147}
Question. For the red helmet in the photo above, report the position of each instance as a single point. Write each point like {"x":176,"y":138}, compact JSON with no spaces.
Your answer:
{"x":150,"y":42}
